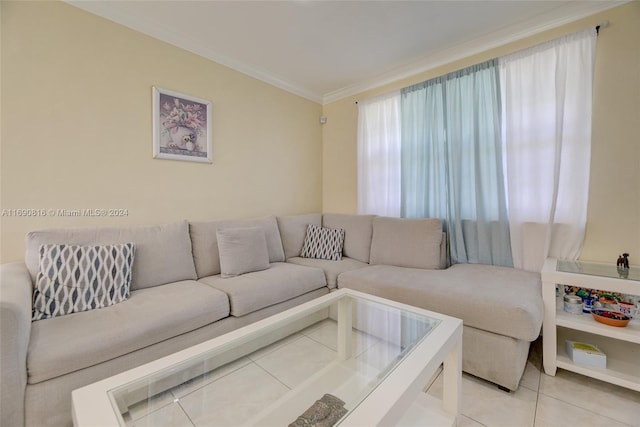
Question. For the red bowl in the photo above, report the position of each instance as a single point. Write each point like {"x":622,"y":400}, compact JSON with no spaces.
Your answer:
{"x":611,"y":318}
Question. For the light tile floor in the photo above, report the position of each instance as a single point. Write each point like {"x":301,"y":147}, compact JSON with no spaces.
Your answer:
{"x":565,"y":400}
{"x":234,"y":393}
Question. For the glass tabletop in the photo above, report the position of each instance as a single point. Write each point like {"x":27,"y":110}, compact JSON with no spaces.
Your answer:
{"x":597,"y":269}
{"x":323,"y":364}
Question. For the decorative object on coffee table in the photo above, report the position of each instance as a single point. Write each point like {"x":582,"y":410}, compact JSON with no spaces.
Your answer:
{"x":325,"y":412}
{"x":182,"y":127}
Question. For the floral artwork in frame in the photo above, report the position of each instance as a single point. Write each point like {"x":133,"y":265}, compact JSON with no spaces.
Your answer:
{"x":181,"y":127}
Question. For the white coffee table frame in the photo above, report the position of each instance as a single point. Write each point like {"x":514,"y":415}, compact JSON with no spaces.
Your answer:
{"x":397,"y":400}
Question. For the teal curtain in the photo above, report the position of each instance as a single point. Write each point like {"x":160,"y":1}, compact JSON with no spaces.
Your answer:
{"x":452,"y":162}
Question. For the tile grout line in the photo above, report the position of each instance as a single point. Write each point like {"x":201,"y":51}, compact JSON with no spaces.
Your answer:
{"x":535,"y":410}
{"x":277,"y":347}
{"x":272,"y":375}
{"x":208,"y":383}
{"x":585,"y":410}
{"x":186,"y":413}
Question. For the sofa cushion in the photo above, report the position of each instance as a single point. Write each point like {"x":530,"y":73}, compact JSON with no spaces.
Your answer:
{"x":332,"y":269}
{"x":74,"y":278}
{"x":242,"y":250}
{"x":66,"y":344}
{"x":357,"y":233}
{"x":406,"y":242}
{"x":293,"y":229}
{"x":205,"y":243}
{"x":323,"y":243}
{"x":253,"y":291}
{"x":163,"y":252}
{"x":501,"y":300}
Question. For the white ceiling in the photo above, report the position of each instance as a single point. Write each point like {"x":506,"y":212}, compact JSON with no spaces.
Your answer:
{"x":326,"y":50}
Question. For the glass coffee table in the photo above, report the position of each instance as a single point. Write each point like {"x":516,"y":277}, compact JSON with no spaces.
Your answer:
{"x":347,"y":358}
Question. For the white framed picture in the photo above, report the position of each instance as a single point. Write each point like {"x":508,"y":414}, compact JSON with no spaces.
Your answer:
{"x":182,"y":127}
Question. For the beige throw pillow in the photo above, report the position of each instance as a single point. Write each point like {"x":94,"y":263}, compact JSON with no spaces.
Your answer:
{"x":242,"y":250}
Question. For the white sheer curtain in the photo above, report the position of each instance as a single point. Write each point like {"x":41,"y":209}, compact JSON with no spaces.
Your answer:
{"x":546,"y":101}
{"x":379,"y":155}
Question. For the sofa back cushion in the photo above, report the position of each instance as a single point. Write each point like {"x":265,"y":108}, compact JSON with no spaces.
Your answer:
{"x":357,"y":233}
{"x":293,"y":229}
{"x":406,"y":242}
{"x":163,"y":252}
{"x":206,"y":254}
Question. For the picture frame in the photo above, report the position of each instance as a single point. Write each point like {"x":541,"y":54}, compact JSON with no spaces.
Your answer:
{"x":182,"y":127}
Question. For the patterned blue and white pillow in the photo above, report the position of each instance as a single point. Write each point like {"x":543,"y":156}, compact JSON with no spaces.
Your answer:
{"x":74,"y":278}
{"x":323,"y":243}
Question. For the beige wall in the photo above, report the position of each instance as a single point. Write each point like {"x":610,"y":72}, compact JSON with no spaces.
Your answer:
{"x":613,"y":223}
{"x":76,"y":130}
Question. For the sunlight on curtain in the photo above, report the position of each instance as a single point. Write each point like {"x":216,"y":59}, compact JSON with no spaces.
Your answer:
{"x":452,"y":162}
{"x":379,"y":155}
{"x":546,"y":98}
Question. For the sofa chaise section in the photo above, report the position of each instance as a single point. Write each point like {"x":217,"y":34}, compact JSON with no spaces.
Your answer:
{"x":501,"y":300}
{"x":501,"y":307}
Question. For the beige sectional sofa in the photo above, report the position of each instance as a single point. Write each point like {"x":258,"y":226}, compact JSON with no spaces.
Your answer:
{"x":178,"y":298}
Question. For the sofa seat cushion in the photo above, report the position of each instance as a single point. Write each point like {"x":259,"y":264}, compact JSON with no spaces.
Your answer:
{"x":281,"y":282}
{"x":68,"y":343}
{"x":501,"y":300}
{"x":332,"y":269}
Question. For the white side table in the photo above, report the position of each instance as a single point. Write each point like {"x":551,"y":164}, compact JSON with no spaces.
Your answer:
{"x":621,"y":344}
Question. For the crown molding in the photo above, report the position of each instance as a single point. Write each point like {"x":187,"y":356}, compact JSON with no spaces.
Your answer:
{"x":111,"y":11}
{"x":495,"y":39}
{"x":562,"y":15}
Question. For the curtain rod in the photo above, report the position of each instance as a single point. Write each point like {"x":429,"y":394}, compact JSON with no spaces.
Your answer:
{"x":603,"y":24}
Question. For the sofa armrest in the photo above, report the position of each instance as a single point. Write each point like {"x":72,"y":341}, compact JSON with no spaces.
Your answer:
{"x":15,"y":330}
